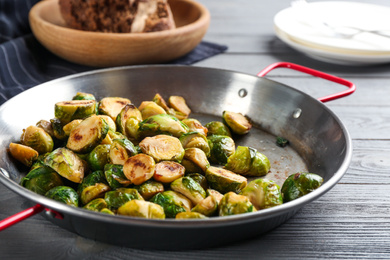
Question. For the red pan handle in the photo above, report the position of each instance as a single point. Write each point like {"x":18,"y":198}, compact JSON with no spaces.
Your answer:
{"x":316,"y":73}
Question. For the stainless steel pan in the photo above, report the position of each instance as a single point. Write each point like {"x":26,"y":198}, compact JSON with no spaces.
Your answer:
{"x":319,"y":143}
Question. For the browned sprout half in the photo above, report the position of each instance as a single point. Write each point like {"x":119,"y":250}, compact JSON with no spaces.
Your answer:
{"x":224,"y":180}
{"x":139,"y":168}
{"x":38,"y":139}
{"x":195,"y":160}
{"x":142,"y":209}
{"x":232,"y":204}
{"x":190,"y":215}
{"x":128,"y":111}
{"x":67,"y":111}
{"x":238,"y":123}
{"x":207,"y":206}
{"x":195,"y":126}
{"x":189,"y":188}
{"x":150,"y":188}
{"x":150,"y":108}
{"x":179,"y":104}
{"x":168,"y":171}
{"x":112,"y":106}
{"x":162,"y":148}
{"x":23,"y":153}
{"x":69,"y":126}
{"x":47,"y":126}
{"x":159,"y":100}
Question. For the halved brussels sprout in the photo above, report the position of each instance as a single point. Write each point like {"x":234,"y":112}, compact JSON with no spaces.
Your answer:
{"x":161,"y":124}
{"x":150,"y":188}
{"x":150,"y":108}
{"x":195,"y":140}
{"x":221,"y":147}
{"x":47,"y":126}
{"x":139,"y":168}
{"x":178,"y":103}
{"x":199,"y":178}
{"x":67,"y":111}
{"x":216,"y":194}
{"x":23,"y":153}
{"x":115,"y":176}
{"x":66,"y":163}
{"x":107,"y":211}
{"x":98,"y":157}
{"x":217,"y":128}
{"x":42,"y":179}
{"x":195,"y":126}
{"x":118,"y":197}
{"x":159,"y":100}
{"x":64,"y":194}
{"x":112,"y":106}
{"x":299,"y":184}
{"x":248,"y":161}
{"x":162,"y":148}
{"x":189,"y":188}
{"x":168,"y":171}
{"x":93,"y":186}
{"x":263,"y":193}
{"x":232,"y":204}
{"x":195,"y":160}
{"x":121,"y":150}
{"x":128,"y":111}
{"x":190,"y":215}
{"x":172,"y":202}
{"x":238,"y":123}
{"x":207,"y":206}
{"x":179,"y":115}
{"x":111,"y":123}
{"x":131,"y":128}
{"x":69,"y":126}
{"x":96,"y":205}
{"x":142,"y":209}
{"x":83,"y":96}
{"x":58,"y":131}
{"x":87,"y":135}
{"x":224,"y":180}
{"x":38,"y":139}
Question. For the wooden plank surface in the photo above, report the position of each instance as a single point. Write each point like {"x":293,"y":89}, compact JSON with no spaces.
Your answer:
{"x":351,"y":221}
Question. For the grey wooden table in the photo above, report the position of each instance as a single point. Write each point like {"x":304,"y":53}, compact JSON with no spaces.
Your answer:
{"x":350,"y":221}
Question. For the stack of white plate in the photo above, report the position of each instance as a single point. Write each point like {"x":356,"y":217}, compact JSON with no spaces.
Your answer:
{"x":326,"y":31}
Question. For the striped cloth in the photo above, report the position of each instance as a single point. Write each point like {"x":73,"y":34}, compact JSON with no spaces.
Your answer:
{"x":25,"y":63}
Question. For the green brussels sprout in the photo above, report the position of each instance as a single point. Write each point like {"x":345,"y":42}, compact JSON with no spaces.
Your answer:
{"x":121,"y":150}
{"x":93,"y":186}
{"x":112,"y":106}
{"x":58,"y":131}
{"x":149,"y":188}
{"x":107,"y":211}
{"x":41,"y":180}
{"x":199,"y":178}
{"x":115,"y":176}
{"x":195,"y":140}
{"x":195,"y":126}
{"x":195,"y":160}
{"x":224,"y":180}
{"x":139,"y":168}
{"x":64,"y":194}
{"x":161,"y":124}
{"x":38,"y":139}
{"x":131,"y":128}
{"x":168,"y":171}
{"x":128,"y":111}
{"x":83,"y":96}
{"x":221,"y":147}
{"x":163,"y":148}
{"x":46,"y":125}
{"x":87,"y":135}
{"x":120,"y":196}
{"x":232,"y":204}
{"x":282,"y":142}
{"x":96,"y":205}
{"x":98,"y":157}
{"x":189,"y":188}
{"x":179,"y":104}
{"x":150,"y":108}
{"x":159,"y":100}
{"x":217,"y":128}
{"x":172,"y":202}
{"x":142,"y":209}
{"x":263,"y":193}
{"x":23,"y":153}
{"x":248,"y":162}
{"x":207,"y":207}
{"x":299,"y":184}
{"x":190,"y":215}
{"x":111,"y":123}
{"x":67,"y":111}
{"x":66,"y":163}
{"x":238,"y":123}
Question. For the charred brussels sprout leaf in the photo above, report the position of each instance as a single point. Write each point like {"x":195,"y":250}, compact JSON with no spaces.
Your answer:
{"x":217,"y":128}
{"x":172,"y":202}
{"x":142,"y":209}
{"x":149,"y":188}
{"x":23,"y":153}
{"x":96,"y":205}
{"x":161,"y":124}
{"x":263,"y":193}
{"x":232,"y":204}
{"x":238,"y":123}
{"x":118,"y":197}
{"x":299,"y":184}
{"x":115,"y":176}
{"x":249,"y":162}
{"x":41,"y":180}
{"x":98,"y":157}
{"x":38,"y":139}
{"x":67,"y":111}
{"x":189,"y":188}
{"x":221,"y":147}
{"x":64,"y":194}
{"x":162,"y":148}
{"x":190,"y":215}
{"x":224,"y":180}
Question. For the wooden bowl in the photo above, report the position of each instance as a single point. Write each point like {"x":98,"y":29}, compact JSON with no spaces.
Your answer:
{"x":117,"y":49}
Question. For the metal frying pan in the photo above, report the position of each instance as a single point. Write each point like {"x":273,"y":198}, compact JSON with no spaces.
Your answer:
{"x":319,"y":143}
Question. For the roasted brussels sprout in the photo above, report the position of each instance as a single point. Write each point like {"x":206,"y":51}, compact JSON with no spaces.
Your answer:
{"x":118,"y":197}
{"x":107,"y":211}
{"x":195,"y":140}
{"x":149,"y":188}
{"x":150,"y":108}
{"x":161,"y":124}
{"x":67,"y":111}
{"x":83,"y":96}
{"x":221,"y":147}
{"x":142,"y":209}
{"x":93,"y":186}
{"x":111,"y":123}
{"x":217,"y":128}
{"x":216,"y":194}
{"x":224,"y":180}
{"x":195,"y":160}
{"x":159,"y":100}
{"x":128,"y":111}
{"x":46,"y":125}
{"x":178,"y":103}
{"x":23,"y":153}
{"x":162,"y":148}
{"x":299,"y":184}
{"x":38,"y":139}
{"x":190,"y":215}
{"x":195,"y":126}
{"x":207,"y":206}
{"x":98,"y":157}
{"x":189,"y":188}
{"x":41,"y":180}
{"x":172,"y":202}
{"x":238,"y":123}
{"x":168,"y":171}
{"x":131,"y":128}
{"x":115,"y":176}
{"x":248,"y":162}
{"x":139,"y":168}
{"x":112,"y":106}
{"x":263,"y":193}
{"x":121,"y":150}
{"x":69,"y":126}
{"x":232,"y":204}
{"x":199,"y":178}
{"x":66,"y":163}
{"x":96,"y":205}
{"x":64,"y":194}
{"x":58,"y":131}
{"x":282,"y":142}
